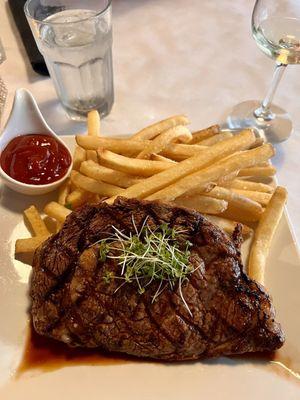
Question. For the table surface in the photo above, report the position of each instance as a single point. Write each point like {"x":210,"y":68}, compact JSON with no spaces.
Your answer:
{"x":174,"y":56}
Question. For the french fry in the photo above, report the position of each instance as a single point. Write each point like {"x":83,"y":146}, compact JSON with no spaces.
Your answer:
{"x":228,"y":225}
{"x":58,"y":225}
{"x":176,"y":151}
{"x":63,"y":192}
{"x":226,"y":179}
{"x":205,"y":134}
{"x":153,"y":130}
{"x":93,"y":123}
{"x":258,"y":142}
{"x":51,"y":224}
{"x":215,"y":139}
{"x":189,"y":166}
{"x":91,"y":155}
{"x":37,"y":224}
{"x":101,"y":173}
{"x":164,"y":139}
{"x":94,"y":199}
{"x":262,"y":198}
{"x":159,"y":157}
{"x":57,"y":211}
{"x":93,"y":186}
{"x":236,"y":214}
{"x":78,"y":157}
{"x":264,"y":234}
{"x":238,"y":201}
{"x":73,"y":187}
{"x":97,"y":198}
{"x":77,"y":197}
{"x":29,"y":245}
{"x":248,"y":185}
{"x":181,"y":151}
{"x":200,"y":190}
{"x":212,"y":173}
{"x":132,"y":166}
{"x":258,"y":171}
{"x":263,"y":164}
{"x":157,"y":163}
{"x":202,"y":204}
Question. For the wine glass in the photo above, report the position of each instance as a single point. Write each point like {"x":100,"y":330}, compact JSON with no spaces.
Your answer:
{"x":276,"y":29}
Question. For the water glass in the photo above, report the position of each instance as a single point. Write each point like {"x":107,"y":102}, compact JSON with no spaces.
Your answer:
{"x":75,"y":38}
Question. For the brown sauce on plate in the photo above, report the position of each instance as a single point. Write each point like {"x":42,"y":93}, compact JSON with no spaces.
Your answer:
{"x":47,"y":355}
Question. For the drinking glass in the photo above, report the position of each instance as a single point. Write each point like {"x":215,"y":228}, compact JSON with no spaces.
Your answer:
{"x":276,"y":29}
{"x":75,"y":38}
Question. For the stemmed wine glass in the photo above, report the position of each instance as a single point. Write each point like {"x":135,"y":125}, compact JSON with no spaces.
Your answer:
{"x":276,"y":29}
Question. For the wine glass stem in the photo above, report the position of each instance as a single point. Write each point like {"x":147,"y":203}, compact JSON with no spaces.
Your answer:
{"x":264,"y":112}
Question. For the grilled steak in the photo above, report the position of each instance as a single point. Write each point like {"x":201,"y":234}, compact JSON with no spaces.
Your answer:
{"x":73,"y":303}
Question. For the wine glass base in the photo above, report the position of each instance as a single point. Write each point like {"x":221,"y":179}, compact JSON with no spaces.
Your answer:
{"x":276,"y":130}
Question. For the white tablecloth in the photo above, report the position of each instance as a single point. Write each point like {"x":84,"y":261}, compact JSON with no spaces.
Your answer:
{"x":174,"y":56}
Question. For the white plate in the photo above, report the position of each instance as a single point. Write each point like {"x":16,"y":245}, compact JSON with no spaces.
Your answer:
{"x":223,"y":378}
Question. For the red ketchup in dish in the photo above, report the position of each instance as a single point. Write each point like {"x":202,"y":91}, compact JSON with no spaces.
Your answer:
{"x":35,"y":159}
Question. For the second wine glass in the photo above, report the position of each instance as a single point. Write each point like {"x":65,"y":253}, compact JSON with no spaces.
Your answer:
{"x":276,"y":29}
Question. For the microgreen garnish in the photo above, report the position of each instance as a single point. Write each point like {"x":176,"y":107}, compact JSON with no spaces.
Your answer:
{"x":149,"y":255}
{"x":108,"y":276}
{"x":103,"y":250}
{"x":69,"y":206}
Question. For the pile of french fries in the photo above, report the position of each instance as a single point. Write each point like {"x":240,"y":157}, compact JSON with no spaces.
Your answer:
{"x":216,"y":173}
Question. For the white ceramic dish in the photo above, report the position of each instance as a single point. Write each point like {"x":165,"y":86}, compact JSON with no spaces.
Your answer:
{"x":25,"y":118}
{"x":223,"y":378}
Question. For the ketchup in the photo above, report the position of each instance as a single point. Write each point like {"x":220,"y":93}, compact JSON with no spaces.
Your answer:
{"x":35,"y":159}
